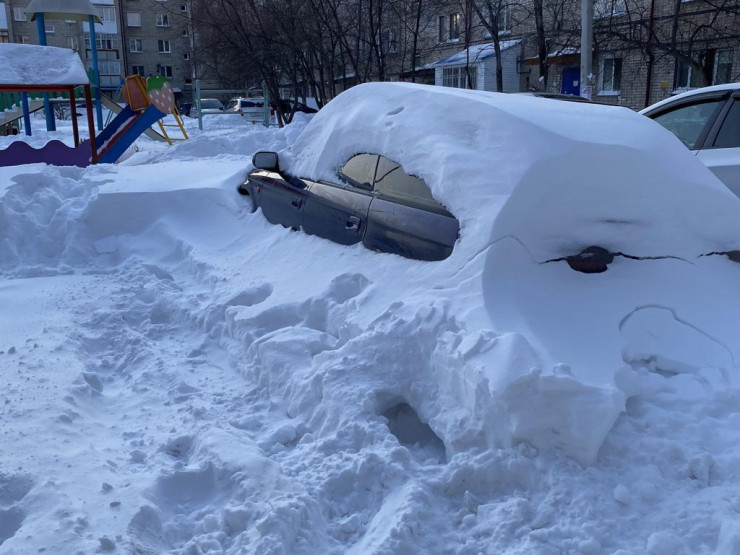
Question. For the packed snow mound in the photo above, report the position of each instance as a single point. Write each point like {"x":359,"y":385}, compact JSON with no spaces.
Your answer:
{"x":29,"y":64}
{"x":184,"y":377}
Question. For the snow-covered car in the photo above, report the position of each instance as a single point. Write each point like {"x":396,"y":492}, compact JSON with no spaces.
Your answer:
{"x":707,"y":121}
{"x":371,"y":200}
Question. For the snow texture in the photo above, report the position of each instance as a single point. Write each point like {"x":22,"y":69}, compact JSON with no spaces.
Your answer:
{"x":180,"y":376}
{"x":29,"y":64}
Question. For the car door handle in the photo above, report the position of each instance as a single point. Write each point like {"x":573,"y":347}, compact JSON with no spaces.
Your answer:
{"x":296,"y":202}
{"x":352,"y":224}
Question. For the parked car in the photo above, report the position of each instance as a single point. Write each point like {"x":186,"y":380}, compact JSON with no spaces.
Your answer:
{"x":207,"y":106}
{"x":252,"y":109}
{"x":572,"y":183}
{"x":707,"y":121}
{"x":372,"y":200}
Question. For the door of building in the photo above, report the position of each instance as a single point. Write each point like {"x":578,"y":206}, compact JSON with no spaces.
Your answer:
{"x":571,"y":81}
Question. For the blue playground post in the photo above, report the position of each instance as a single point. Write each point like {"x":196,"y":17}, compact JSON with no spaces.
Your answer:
{"x":26,"y":113}
{"x":96,"y":72}
{"x":41,"y":26}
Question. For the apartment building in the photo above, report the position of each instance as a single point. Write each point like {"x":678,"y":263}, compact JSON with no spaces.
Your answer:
{"x":644,"y":50}
{"x":157,"y":39}
{"x":144,"y":37}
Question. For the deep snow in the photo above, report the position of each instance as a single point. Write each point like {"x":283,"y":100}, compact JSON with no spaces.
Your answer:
{"x":181,"y":376}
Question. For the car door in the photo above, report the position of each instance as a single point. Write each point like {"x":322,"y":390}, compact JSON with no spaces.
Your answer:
{"x":281,"y":199}
{"x":721,"y":151}
{"x":338,"y":211}
{"x":404,"y":218}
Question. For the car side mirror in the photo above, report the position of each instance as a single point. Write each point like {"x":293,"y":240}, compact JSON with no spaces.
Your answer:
{"x":266,"y":161}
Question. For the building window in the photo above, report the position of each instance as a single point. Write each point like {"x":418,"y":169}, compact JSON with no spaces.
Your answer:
{"x":138,"y":70}
{"x":183,"y":7}
{"x":108,"y":15}
{"x":454,"y":26}
{"x":186,"y":56}
{"x":390,"y":42}
{"x":686,"y":76}
{"x":459,"y":78}
{"x":722,"y":67}
{"x":135,"y":45}
{"x":49,"y":29}
{"x":165,"y":71}
{"x":73,"y":43}
{"x":186,"y":32}
{"x":163,"y":20}
{"x":607,"y":8}
{"x":24,"y":39}
{"x":611,"y":75}
{"x":504,"y":20}
{"x":164,"y":46}
{"x":4,"y":37}
{"x":442,"y":28}
{"x":102,"y":42}
{"x":133,"y":19}
{"x":19,"y":14}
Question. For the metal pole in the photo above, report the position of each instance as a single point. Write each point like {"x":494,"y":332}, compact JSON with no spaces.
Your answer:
{"x":266,"y":100}
{"x":96,"y":72}
{"x":197,"y":104}
{"x":41,"y":27}
{"x":26,"y":114}
{"x":587,"y":34}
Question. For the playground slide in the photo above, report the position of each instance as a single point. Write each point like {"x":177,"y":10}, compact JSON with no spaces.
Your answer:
{"x":34,"y":105}
{"x":116,"y":108}
{"x":123,"y":131}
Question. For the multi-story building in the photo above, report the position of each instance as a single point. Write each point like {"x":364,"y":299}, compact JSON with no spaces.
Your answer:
{"x":144,"y":37}
{"x":157,"y":36}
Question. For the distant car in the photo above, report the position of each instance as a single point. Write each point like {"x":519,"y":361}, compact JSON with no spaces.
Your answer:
{"x":252,"y":109}
{"x":372,"y":201}
{"x":707,"y":121}
{"x":207,"y":106}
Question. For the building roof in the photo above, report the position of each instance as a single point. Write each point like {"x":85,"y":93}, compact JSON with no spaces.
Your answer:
{"x":63,"y":9}
{"x":28,"y":64}
{"x":474,"y":54}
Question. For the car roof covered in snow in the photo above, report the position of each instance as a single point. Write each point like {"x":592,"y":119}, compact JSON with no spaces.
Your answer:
{"x":569,"y":174}
{"x":28,"y":64}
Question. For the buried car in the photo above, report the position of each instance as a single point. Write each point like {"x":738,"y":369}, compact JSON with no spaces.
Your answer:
{"x":372,"y":200}
{"x":591,"y":246}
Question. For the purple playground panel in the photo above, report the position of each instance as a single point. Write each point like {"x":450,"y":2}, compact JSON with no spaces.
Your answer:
{"x":54,"y":152}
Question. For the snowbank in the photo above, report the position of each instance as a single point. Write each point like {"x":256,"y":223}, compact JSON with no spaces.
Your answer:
{"x":182,"y":376}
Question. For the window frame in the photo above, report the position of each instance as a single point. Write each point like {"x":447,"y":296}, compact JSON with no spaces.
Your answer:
{"x":19,"y":14}
{"x":708,"y":134}
{"x":135,"y":41}
{"x":161,"y":43}
{"x":135,"y":15}
{"x":603,"y":91}
{"x":162,"y":20}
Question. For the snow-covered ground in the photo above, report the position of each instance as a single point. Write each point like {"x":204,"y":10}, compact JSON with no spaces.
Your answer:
{"x":180,"y":376}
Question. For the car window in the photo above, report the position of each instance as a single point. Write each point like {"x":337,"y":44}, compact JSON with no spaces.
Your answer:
{"x":231,"y":105}
{"x":359,"y":171}
{"x":251,"y":104}
{"x":391,"y":180}
{"x":687,"y":122}
{"x":210,"y":104}
{"x":729,"y":133}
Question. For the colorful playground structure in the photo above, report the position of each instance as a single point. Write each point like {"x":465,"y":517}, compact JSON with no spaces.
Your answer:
{"x":42,"y":69}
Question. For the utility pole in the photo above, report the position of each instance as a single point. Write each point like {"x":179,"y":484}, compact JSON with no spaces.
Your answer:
{"x":587,"y":34}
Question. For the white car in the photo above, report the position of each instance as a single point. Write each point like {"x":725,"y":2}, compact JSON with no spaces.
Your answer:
{"x":252,"y":109}
{"x":208,"y":106}
{"x":707,"y":121}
